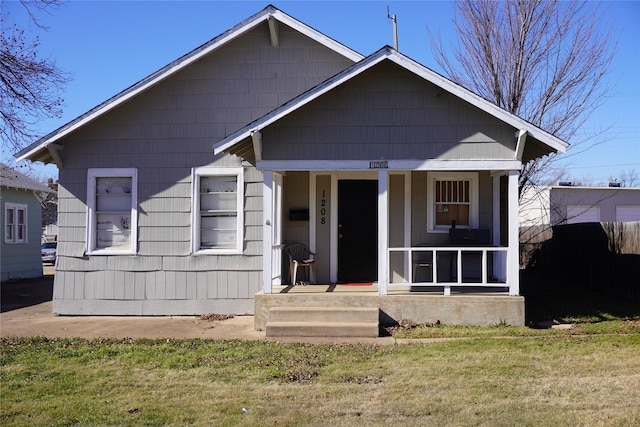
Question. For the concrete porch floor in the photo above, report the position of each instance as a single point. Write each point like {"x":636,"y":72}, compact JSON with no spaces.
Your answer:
{"x":471,"y":306}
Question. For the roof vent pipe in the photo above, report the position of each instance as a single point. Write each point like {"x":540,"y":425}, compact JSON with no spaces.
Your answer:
{"x":394,"y":21}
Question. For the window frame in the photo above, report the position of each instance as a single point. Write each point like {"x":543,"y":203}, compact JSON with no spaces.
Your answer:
{"x":196,"y":217}
{"x":474,"y":208}
{"x":15,"y":208}
{"x":93,"y":174}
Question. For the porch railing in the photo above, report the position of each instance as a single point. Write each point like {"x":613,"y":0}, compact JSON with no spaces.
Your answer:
{"x":448,"y":266}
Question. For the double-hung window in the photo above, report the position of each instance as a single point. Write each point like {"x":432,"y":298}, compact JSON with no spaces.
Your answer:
{"x":112,"y":211}
{"x":217,"y":211}
{"x":15,"y":223}
{"x":452,"y":199}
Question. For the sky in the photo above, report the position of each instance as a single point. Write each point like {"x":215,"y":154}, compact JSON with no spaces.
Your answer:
{"x":108,"y":46}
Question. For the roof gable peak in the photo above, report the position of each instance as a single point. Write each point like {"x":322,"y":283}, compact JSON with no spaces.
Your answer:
{"x":389,"y":53}
{"x":38,"y":150}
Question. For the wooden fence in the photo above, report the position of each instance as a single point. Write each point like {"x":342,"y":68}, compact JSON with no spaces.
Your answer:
{"x":604,"y":256}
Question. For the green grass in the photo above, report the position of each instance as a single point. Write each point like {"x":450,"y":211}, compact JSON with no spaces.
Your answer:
{"x":546,"y":302}
{"x":421,"y":331}
{"x":557,"y":380}
{"x":483,"y":376}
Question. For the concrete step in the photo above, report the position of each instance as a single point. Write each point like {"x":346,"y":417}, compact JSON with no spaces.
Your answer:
{"x":323,"y":322}
{"x":322,"y":329}
{"x":324,"y":314}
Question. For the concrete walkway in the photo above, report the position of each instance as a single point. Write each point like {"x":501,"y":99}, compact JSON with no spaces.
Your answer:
{"x":27,"y":311}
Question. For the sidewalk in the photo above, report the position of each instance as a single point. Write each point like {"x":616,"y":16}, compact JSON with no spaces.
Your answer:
{"x":26,"y":310}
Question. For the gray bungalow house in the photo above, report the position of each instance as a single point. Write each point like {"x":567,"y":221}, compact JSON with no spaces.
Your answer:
{"x":21,"y":200}
{"x":180,"y":194}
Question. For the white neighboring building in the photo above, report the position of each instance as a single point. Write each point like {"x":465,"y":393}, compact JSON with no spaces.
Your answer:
{"x":566,"y":204}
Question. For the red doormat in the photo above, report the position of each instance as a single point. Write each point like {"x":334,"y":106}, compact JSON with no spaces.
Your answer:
{"x":356,"y":284}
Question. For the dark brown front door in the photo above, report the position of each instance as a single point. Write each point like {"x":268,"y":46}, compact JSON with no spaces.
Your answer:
{"x":357,"y":231}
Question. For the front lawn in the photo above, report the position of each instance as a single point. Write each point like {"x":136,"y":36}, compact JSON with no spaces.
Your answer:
{"x":554,"y":380}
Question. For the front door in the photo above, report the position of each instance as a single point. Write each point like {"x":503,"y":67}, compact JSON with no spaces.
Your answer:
{"x":357,"y":231}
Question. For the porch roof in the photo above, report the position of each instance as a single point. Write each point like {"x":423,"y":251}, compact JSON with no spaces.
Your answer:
{"x":538,"y":141}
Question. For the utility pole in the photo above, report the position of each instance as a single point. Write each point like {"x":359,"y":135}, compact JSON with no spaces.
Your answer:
{"x":394,"y":20}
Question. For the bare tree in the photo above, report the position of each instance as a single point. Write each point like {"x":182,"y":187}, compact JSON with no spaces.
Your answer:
{"x":543,"y":60}
{"x":29,"y":84}
{"x":627,"y":178}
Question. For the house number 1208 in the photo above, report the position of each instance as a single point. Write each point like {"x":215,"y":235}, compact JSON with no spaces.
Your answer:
{"x":323,"y":208}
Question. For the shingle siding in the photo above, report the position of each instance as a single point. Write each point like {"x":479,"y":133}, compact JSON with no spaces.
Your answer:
{"x":164,"y":133}
{"x":388,"y":113}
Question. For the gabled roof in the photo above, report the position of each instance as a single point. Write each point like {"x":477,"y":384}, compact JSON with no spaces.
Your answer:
{"x":11,"y":178}
{"x":387,"y":53}
{"x":44,"y":149}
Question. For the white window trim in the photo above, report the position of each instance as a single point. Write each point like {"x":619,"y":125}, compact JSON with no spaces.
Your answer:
{"x":474,"y":198}
{"x":16,"y":207}
{"x":205,"y":171}
{"x":92,"y":175}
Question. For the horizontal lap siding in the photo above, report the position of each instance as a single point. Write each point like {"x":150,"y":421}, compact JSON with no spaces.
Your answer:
{"x":164,"y":133}
{"x":21,"y":260}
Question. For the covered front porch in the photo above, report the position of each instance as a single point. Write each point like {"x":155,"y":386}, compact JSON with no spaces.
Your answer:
{"x":393,"y":236}
{"x":407,"y":262}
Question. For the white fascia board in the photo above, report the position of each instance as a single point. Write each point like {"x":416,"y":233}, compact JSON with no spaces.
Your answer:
{"x":183,"y":62}
{"x":392,"y":165}
{"x":579,"y":188}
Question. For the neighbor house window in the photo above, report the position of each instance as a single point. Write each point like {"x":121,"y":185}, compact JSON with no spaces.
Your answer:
{"x":112,"y":214}
{"x":452,"y":199}
{"x":15,"y":223}
{"x":217,"y":216}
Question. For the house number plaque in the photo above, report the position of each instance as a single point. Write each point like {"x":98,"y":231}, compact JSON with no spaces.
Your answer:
{"x":381,"y":164}
{"x":323,"y":208}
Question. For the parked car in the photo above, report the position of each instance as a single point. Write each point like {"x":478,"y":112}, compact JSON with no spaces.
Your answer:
{"x":49,"y":251}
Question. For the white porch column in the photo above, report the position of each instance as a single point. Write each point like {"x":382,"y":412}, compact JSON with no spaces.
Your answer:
{"x":408,"y":264}
{"x":499,"y":260}
{"x":267,"y":234}
{"x":513,"y":255}
{"x":276,"y":230}
{"x":383,"y":231}
{"x":496,"y":210}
